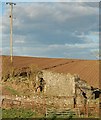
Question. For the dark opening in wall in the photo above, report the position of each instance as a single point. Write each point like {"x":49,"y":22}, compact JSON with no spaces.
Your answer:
{"x":41,"y":85}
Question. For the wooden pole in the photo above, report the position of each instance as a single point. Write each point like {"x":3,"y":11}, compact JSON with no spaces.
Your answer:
{"x":11,"y":30}
{"x":11,"y":35}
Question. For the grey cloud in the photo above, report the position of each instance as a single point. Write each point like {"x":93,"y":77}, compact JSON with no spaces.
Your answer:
{"x":55,"y":51}
{"x":90,"y":4}
{"x":39,"y":24}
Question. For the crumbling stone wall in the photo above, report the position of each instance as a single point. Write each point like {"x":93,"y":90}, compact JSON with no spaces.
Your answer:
{"x":58,"y":84}
{"x":71,"y":86}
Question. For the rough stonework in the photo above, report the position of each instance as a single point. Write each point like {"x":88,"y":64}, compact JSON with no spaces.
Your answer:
{"x":66,"y":89}
{"x":58,"y":84}
{"x":56,"y":92}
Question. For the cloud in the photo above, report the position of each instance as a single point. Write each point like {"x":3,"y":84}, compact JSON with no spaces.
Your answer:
{"x":57,"y":50}
{"x":49,"y":29}
{"x":77,"y":46}
{"x":19,"y":41}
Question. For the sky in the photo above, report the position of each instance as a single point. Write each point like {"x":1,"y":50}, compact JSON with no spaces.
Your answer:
{"x":52,"y":29}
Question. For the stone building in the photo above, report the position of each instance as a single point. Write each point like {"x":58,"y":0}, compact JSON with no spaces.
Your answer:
{"x":59,"y":84}
{"x":66,"y":90}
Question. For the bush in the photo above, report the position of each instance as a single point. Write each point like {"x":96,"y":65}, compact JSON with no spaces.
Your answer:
{"x":34,"y":72}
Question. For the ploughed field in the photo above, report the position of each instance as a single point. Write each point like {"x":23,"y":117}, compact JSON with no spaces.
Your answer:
{"x":88,"y":70}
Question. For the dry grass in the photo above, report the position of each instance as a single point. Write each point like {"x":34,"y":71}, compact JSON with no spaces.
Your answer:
{"x":12,"y":77}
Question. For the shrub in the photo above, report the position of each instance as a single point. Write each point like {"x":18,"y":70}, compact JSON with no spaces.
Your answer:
{"x":34,"y":70}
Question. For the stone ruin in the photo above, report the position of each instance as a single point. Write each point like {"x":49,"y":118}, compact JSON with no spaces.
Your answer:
{"x":68,"y":91}
{"x":63,"y":90}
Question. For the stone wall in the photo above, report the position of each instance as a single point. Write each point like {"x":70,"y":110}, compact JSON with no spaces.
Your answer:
{"x":65,"y":85}
{"x":59,"y":84}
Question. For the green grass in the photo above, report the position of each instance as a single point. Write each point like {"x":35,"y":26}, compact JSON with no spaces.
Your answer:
{"x":11,"y":90}
{"x":17,"y":113}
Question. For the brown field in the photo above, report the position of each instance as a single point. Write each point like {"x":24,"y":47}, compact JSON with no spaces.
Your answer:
{"x":88,"y":70}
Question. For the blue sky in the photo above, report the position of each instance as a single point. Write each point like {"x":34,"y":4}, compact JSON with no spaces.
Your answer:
{"x":55,"y":29}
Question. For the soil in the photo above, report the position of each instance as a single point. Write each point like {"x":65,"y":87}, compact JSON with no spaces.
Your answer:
{"x":88,"y":70}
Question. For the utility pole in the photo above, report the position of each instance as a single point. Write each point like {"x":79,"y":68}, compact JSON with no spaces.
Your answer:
{"x":11,"y":30}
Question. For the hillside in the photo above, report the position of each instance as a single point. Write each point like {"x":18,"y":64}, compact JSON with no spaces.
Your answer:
{"x":88,"y":70}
